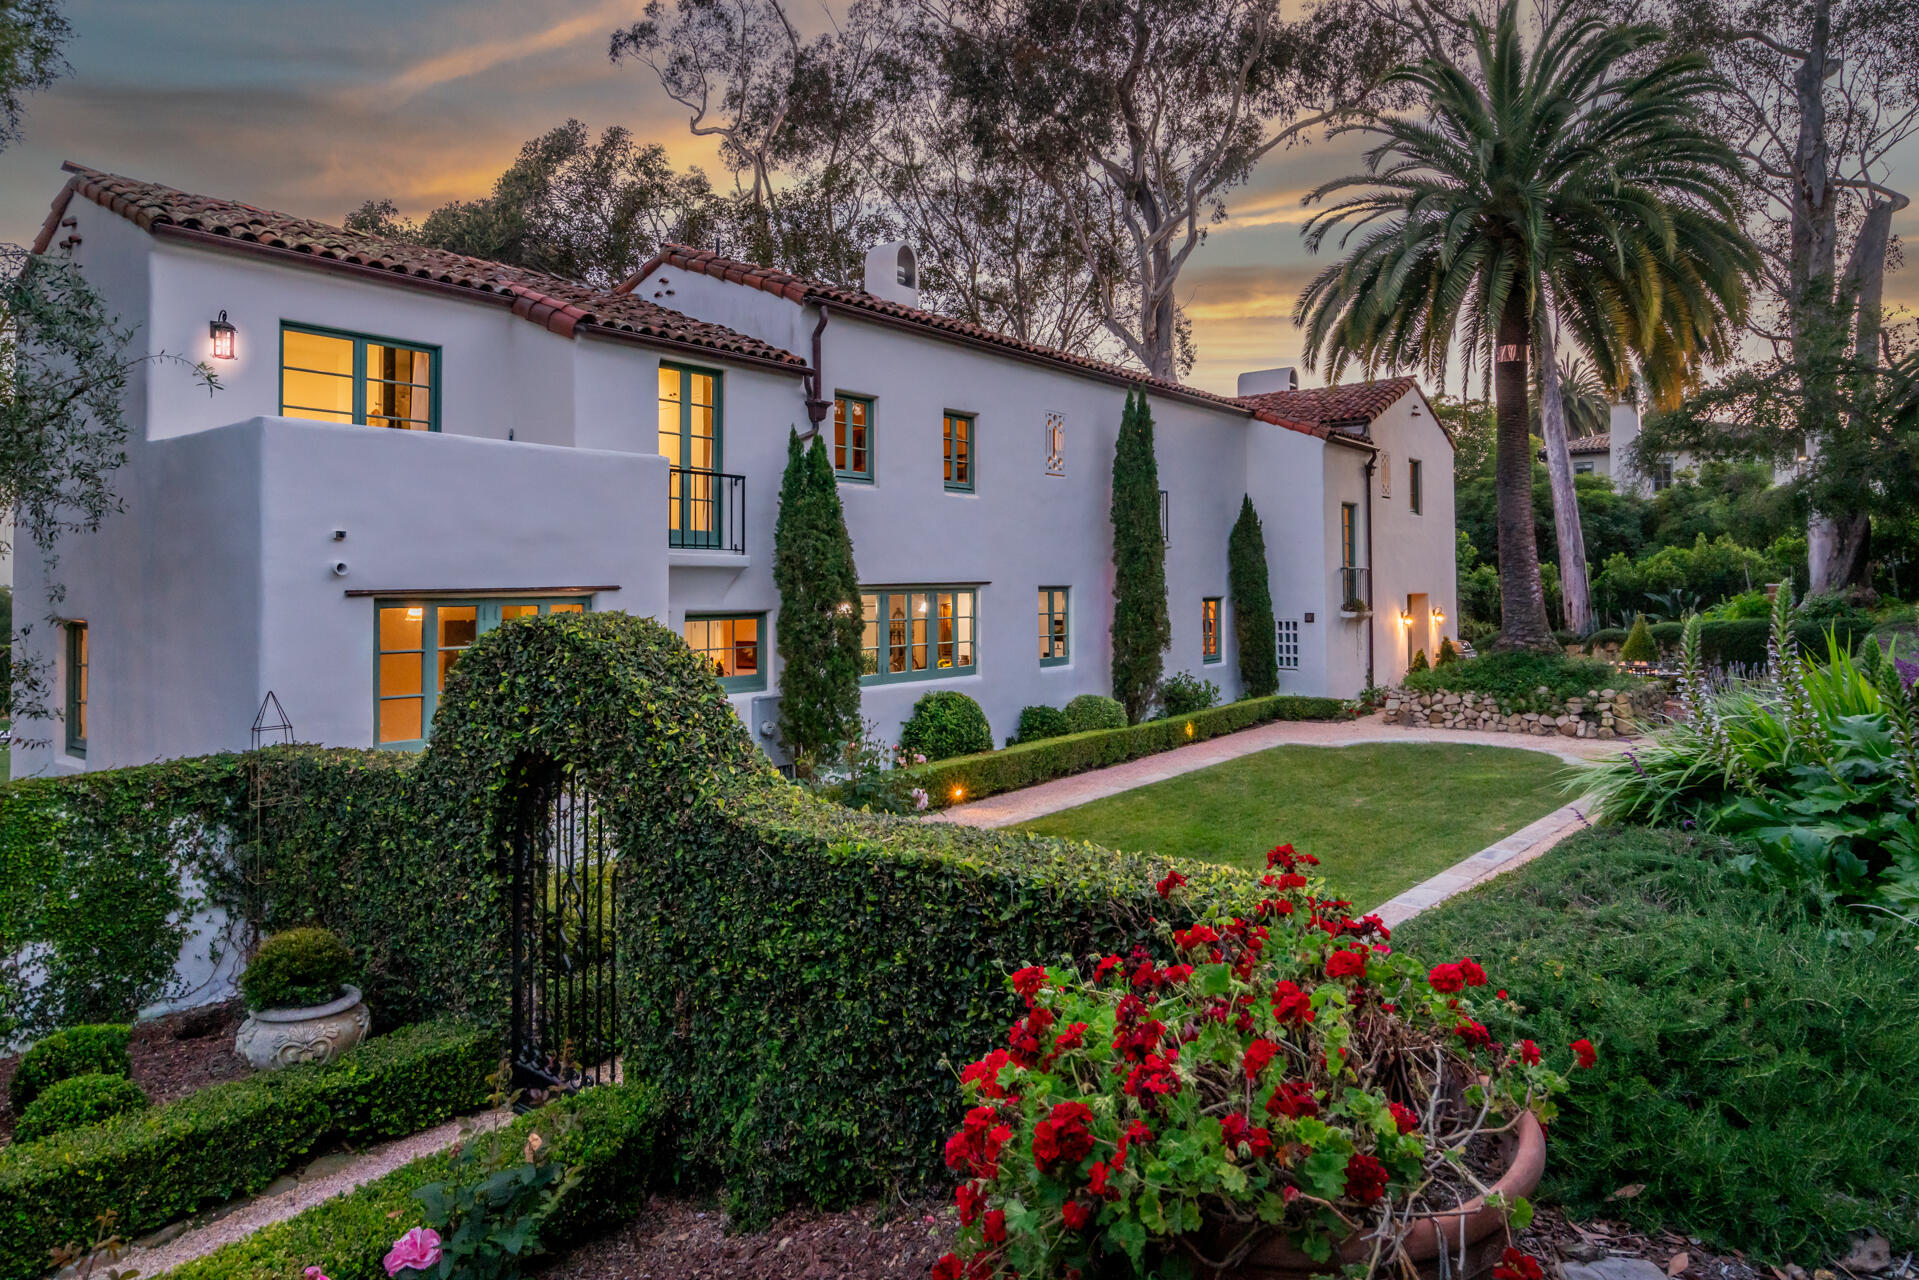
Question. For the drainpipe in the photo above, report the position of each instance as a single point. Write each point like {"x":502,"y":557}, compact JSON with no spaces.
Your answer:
{"x":817,"y":404}
{"x":1372,"y":618}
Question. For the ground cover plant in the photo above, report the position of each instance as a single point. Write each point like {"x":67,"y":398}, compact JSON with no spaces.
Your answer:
{"x":1381,"y":816}
{"x":1816,"y":764}
{"x":1757,"y":1046}
{"x":1289,"y":1075}
{"x":1516,"y":679}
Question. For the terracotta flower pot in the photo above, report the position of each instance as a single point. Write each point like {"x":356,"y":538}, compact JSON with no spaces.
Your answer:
{"x":274,"y":1038}
{"x":1481,"y":1228}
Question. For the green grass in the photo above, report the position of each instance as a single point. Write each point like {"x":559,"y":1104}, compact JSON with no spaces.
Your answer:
{"x":1380,"y":817}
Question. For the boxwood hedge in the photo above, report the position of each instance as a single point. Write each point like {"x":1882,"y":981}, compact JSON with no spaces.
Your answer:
{"x":231,"y":1139}
{"x":617,"y":1143}
{"x":1025,"y":763}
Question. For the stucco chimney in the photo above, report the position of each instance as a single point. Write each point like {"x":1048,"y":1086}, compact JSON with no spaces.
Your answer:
{"x":1260,"y":381}
{"x":1624,"y":426}
{"x":893,"y":273}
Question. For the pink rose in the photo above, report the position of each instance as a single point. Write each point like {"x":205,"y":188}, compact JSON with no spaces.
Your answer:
{"x":314,"y":1273}
{"x":417,"y":1250}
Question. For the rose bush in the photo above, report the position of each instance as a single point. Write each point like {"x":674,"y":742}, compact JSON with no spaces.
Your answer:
{"x":1288,"y":1075}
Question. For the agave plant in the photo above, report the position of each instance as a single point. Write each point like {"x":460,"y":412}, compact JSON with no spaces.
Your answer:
{"x":1816,"y":763}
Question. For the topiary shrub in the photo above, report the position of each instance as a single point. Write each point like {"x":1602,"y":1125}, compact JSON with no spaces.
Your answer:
{"x":944,"y":724}
{"x":1448,"y":653}
{"x":77,"y":1051}
{"x":1185,"y":693}
{"x":1419,"y":662}
{"x":1092,"y":711}
{"x":1639,"y":646}
{"x":1036,"y":724}
{"x":76,"y":1101}
{"x":296,"y":970}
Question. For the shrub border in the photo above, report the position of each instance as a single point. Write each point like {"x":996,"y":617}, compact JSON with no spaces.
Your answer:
{"x":232,"y":1139}
{"x":949,"y":782}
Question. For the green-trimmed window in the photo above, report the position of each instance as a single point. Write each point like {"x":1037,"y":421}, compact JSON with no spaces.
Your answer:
{"x":1415,"y":486}
{"x":333,"y":376}
{"x":919,"y":633}
{"x":1055,"y":627}
{"x":958,"y":433}
{"x":416,"y":642}
{"x":853,"y":437}
{"x":1348,"y":535}
{"x":732,"y":643}
{"x":79,"y":656}
{"x":1209,"y":629}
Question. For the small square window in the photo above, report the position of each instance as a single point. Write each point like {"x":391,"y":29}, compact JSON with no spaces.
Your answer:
{"x":1287,"y":648}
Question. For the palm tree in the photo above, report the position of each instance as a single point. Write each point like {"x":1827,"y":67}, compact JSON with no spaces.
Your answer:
{"x":1546,"y":187}
{"x":1586,"y":399}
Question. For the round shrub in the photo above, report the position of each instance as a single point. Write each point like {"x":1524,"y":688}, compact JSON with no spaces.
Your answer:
{"x":296,"y":970}
{"x":946,"y":724}
{"x":76,"y":1051}
{"x":75,"y":1101}
{"x":1036,"y":724}
{"x":1092,"y":711}
{"x":1186,"y":693}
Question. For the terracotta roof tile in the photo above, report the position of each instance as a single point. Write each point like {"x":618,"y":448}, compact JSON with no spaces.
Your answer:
{"x":563,"y":306}
{"x":1329,"y":408}
{"x":798,"y":289}
{"x":1598,"y":442}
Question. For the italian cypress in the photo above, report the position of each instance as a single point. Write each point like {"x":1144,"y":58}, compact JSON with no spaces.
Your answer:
{"x":1252,"y":604}
{"x":819,"y":623}
{"x":1141,"y":629}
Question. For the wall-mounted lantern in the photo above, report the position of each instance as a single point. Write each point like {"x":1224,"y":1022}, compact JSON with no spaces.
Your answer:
{"x":1439,"y":617}
{"x":222,"y":334}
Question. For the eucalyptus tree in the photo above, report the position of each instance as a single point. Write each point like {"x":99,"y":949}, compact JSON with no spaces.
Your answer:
{"x":1559,"y":183}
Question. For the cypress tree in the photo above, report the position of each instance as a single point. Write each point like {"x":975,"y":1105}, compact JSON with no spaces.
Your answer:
{"x":819,"y":624}
{"x":1141,"y":629}
{"x":1252,"y":604}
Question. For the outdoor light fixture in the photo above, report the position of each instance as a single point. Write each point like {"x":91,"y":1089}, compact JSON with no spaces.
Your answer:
{"x":1189,"y":728}
{"x":1439,"y":617}
{"x":1405,"y":619}
{"x":222,"y":334}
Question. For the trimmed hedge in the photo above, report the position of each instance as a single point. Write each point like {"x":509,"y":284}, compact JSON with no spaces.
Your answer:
{"x":1757,"y":1048}
{"x":77,"y":1051}
{"x":232,"y":1139}
{"x":1737,"y":641}
{"x":617,"y":1142}
{"x":78,"y":1101}
{"x":973,"y":777}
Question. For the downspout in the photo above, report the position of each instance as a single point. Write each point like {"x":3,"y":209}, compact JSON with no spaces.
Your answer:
{"x":1372,"y":618}
{"x":817,"y":404}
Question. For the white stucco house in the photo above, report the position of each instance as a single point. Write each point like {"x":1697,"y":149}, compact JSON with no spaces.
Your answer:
{"x":1610,"y":453}
{"x":412,"y":447}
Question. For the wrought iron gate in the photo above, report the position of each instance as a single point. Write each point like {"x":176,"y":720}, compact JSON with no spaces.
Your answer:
{"x":562,"y":934}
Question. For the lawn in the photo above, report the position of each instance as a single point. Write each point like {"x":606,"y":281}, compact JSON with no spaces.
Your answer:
{"x":1380,"y":817}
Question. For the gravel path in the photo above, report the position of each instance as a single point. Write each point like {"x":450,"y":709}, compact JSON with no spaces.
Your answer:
{"x":328,"y":1177}
{"x":1014,"y":807}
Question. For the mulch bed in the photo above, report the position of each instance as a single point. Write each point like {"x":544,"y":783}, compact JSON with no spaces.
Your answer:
{"x":172,"y":1056}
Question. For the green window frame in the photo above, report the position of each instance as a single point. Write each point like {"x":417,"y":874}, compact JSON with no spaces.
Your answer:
{"x":692,"y":438}
{"x":1349,"y":535}
{"x":79,"y":678}
{"x":735,"y":643}
{"x":959,"y":447}
{"x":1415,"y":486}
{"x":852,"y":437}
{"x":406,"y":629}
{"x":918,"y":633}
{"x":1055,"y":626}
{"x":368,"y":389}
{"x":1209,"y":647}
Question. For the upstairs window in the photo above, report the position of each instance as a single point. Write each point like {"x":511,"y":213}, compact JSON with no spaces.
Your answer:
{"x":1054,"y":628}
{"x":1348,"y":535}
{"x":958,"y":443}
{"x":1415,"y":486}
{"x":330,"y":376}
{"x":417,"y":642}
{"x":78,"y":658}
{"x":853,"y":437}
{"x":1209,"y":629}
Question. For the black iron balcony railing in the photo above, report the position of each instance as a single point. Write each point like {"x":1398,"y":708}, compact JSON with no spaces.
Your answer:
{"x":706,"y":511}
{"x":1352,"y":589}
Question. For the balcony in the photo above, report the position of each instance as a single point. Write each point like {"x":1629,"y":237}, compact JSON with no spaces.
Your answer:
{"x":1352,"y":591}
{"x":706,"y":511}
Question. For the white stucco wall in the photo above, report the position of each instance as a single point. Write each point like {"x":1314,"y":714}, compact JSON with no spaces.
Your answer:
{"x":1414,"y":554}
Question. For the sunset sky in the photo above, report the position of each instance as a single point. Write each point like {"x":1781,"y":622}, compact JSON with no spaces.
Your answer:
{"x":311,"y":108}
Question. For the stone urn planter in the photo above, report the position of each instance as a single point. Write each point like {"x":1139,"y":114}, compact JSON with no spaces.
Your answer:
{"x":1476,"y":1228}
{"x":275,"y":1038}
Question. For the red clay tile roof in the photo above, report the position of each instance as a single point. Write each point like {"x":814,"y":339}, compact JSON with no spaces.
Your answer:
{"x":1330,"y":408}
{"x":800,"y":290}
{"x":1598,"y":442}
{"x":564,"y":306}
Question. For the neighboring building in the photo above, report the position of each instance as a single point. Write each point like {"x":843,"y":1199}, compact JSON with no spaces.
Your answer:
{"x":1610,"y":453}
{"x":557,"y":448}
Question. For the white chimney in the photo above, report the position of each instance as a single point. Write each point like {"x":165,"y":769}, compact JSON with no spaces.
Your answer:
{"x":1260,"y":381}
{"x":1624,"y":427}
{"x":893,"y":273}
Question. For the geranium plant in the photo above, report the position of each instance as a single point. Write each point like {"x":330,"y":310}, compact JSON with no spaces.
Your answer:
{"x":1287,"y":1076}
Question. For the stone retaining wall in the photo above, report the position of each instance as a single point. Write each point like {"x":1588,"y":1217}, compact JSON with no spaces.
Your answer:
{"x":1602,"y":713}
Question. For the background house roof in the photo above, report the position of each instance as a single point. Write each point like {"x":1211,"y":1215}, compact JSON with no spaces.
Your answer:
{"x":1598,"y":442}
{"x":564,"y":306}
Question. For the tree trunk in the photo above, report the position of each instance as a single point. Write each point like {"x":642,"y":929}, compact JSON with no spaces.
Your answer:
{"x":1575,"y":593}
{"x":1522,"y":600}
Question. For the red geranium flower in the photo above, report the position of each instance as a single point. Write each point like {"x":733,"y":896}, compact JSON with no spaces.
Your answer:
{"x":1473,"y":1034}
{"x":976,"y":1147}
{"x":1259,"y":1054}
{"x":1346,"y":964}
{"x":1583,"y":1050}
{"x":994,"y":1227}
{"x":1135,"y":1132}
{"x":1028,"y":981}
{"x":1172,"y":881}
{"x":1237,"y":1131}
{"x":1293,"y":1099}
{"x":1105,"y":966}
{"x":1514,"y":1265}
{"x":1199,"y":934}
{"x":1529,"y":1053}
{"x":1290,"y":1004}
{"x":970,"y":1200}
{"x":1064,"y":1138}
{"x":1470,"y":970}
{"x":1078,"y":1215}
{"x":1365,"y":1178}
{"x":1405,"y":1117}
{"x":949,"y":1268}
{"x":986,"y":1073}
{"x":1446,"y":979}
